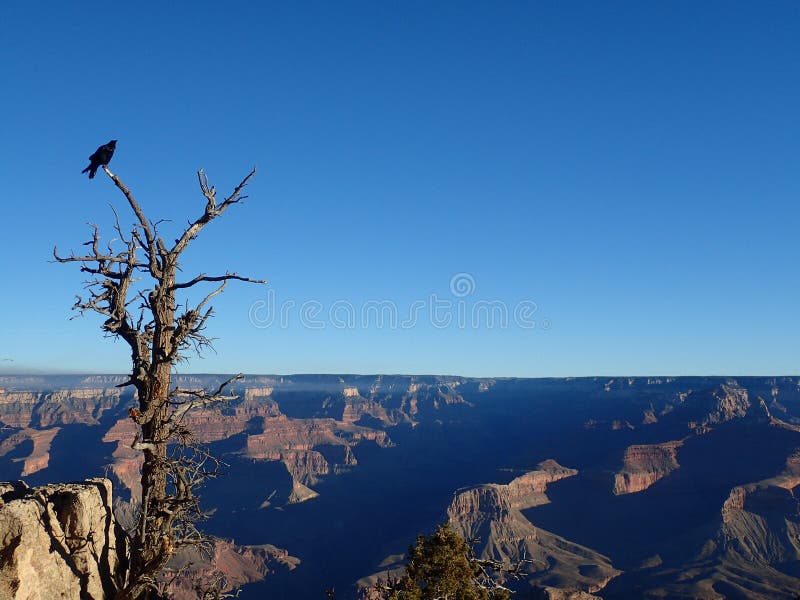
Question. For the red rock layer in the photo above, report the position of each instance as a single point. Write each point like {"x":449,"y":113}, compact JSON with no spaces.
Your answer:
{"x":643,"y":465}
{"x":238,"y":565}
{"x":39,"y":457}
{"x":127,"y":461}
{"x":62,"y":407}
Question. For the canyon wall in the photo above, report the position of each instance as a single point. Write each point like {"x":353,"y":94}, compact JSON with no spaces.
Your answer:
{"x":643,"y":465}
{"x":684,"y":504}
{"x":491,"y":513}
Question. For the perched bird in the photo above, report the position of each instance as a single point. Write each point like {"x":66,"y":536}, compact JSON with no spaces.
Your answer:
{"x":101,"y":156}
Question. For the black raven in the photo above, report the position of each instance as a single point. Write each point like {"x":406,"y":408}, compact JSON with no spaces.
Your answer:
{"x":101,"y":156}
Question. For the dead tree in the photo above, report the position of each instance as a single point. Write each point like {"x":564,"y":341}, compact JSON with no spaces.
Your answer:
{"x":134,"y":284}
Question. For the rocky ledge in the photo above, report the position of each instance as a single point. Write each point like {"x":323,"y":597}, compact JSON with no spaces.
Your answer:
{"x":492,"y":513}
{"x":62,"y":541}
{"x":643,"y":465}
{"x":59,"y":541}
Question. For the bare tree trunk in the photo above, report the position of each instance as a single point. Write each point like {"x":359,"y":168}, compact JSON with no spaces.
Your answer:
{"x":174,"y":465}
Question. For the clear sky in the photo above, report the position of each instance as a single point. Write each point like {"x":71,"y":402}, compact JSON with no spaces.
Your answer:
{"x":617,"y":183}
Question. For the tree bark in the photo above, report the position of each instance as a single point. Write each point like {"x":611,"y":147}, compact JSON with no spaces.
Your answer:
{"x":158,"y":338}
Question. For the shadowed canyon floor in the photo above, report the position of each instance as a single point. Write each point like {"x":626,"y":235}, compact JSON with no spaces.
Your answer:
{"x":678,"y":487}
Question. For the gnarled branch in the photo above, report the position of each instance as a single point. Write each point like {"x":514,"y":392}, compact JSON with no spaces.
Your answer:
{"x":212,"y":210}
{"x":143,"y":270}
{"x":227,"y":277}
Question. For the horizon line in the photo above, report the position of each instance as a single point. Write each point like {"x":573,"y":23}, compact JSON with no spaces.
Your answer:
{"x":38,"y":373}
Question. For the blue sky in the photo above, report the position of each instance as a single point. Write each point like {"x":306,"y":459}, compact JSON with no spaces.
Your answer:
{"x":630,"y":169}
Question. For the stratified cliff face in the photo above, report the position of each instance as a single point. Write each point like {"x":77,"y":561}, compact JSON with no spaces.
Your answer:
{"x":237,"y":565}
{"x":643,"y":465}
{"x":753,"y":552}
{"x":761,"y":521}
{"x":549,"y":593}
{"x":281,"y":434}
{"x":285,"y":419}
{"x":32,"y":408}
{"x":529,"y":489}
{"x":294,"y":442}
{"x":758,"y":541}
{"x":492,"y":514}
{"x":473,"y":506}
{"x":726,"y":403}
{"x":39,"y":457}
{"x":388,"y":400}
{"x":447,"y":429}
{"x":59,"y":541}
{"x":329,"y":412}
{"x":696,"y":404}
{"x":270,"y":435}
{"x":127,"y":461}
{"x":34,"y":413}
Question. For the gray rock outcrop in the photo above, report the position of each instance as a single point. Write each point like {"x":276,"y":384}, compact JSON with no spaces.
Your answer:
{"x":59,"y":541}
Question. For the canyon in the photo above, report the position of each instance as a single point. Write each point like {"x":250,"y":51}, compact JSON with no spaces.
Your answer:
{"x":607,"y":487}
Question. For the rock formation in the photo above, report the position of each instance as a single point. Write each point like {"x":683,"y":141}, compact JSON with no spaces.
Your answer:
{"x":234,"y":565}
{"x":270,"y":434}
{"x":39,"y":457}
{"x":761,"y":521}
{"x":551,"y":593}
{"x":62,"y":541}
{"x":751,"y":554}
{"x":643,"y":465}
{"x":41,"y":409}
{"x":734,"y":431}
{"x":127,"y":461}
{"x":492,"y":514}
{"x":725,"y":403}
{"x":59,"y":541}
{"x":294,"y":443}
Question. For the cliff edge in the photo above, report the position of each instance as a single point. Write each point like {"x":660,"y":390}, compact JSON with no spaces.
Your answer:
{"x":59,"y":541}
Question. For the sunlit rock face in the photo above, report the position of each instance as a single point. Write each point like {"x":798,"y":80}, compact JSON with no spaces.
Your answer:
{"x":39,"y":457}
{"x":643,"y":465}
{"x":63,"y":541}
{"x":238,"y":566}
{"x":491,"y":513}
{"x":59,"y":541}
{"x":33,"y":415}
{"x":26,"y":408}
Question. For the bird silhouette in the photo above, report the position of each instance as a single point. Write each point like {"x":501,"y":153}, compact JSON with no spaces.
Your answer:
{"x":101,"y":156}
